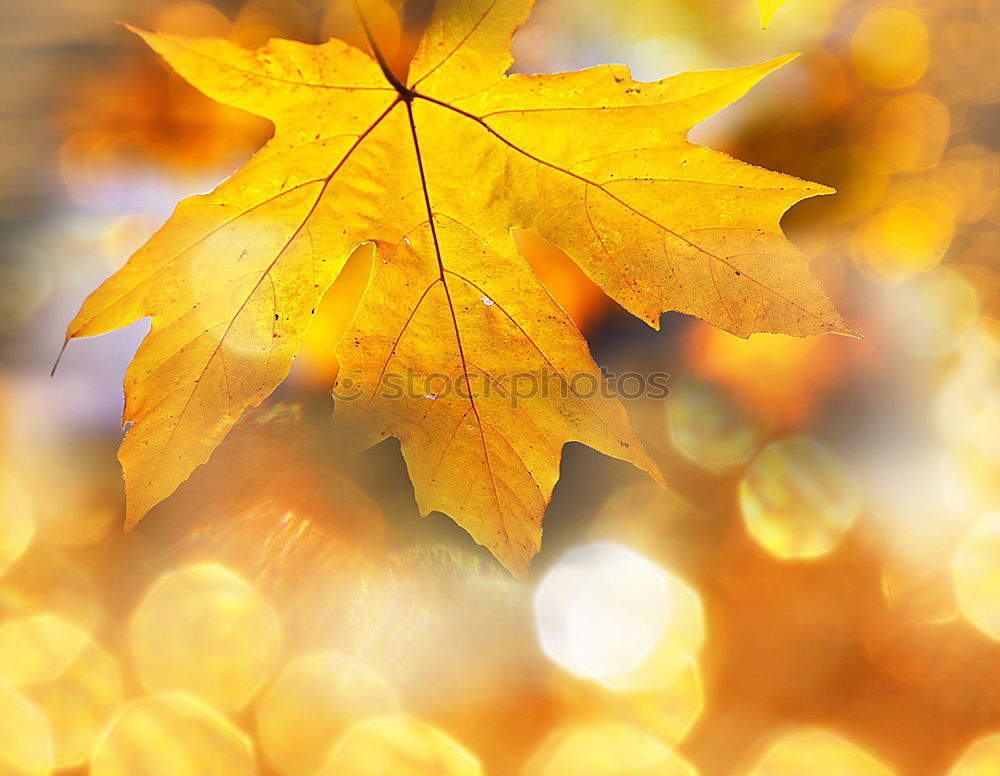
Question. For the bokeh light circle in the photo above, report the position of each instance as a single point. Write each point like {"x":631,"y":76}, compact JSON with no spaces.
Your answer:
{"x":798,"y":498}
{"x":605,"y":612}
{"x":399,"y":745}
{"x":708,"y":428}
{"x":17,"y":526}
{"x":817,"y":752}
{"x":171,"y":735}
{"x":890,"y":48}
{"x":311,"y":703}
{"x":605,"y":749}
{"x":975,"y":571}
{"x":25,"y":739}
{"x":205,"y":631}
{"x":982,"y":758}
{"x":72,"y":681}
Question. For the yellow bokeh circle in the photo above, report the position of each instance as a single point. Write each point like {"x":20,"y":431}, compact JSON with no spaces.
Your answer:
{"x":171,"y":735}
{"x":399,"y":745}
{"x":311,"y":703}
{"x":205,"y":631}
{"x":798,"y":498}
{"x":975,"y":570}
{"x":891,"y":48}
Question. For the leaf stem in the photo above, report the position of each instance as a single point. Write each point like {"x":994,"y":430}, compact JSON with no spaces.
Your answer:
{"x":405,"y":93}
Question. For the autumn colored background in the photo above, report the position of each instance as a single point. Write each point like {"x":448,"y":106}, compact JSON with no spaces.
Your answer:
{"x":817,"y":593}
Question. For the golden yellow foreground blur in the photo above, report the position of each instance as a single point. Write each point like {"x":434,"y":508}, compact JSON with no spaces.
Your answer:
{"x":817,"y":753}
{"x":171,"y":735}
{"x":222,"y":641}
{"x":606,"y":750}
{"x":313,"y":702}
{"x":399,"y":745}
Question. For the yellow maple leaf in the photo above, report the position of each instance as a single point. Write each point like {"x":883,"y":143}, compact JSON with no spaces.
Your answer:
{"x":435,"y":173}
{"x":767,"y":10}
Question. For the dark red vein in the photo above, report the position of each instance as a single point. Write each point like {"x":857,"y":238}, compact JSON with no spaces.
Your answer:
{"x":458,"y":45}
{"x":266,"y":273}
{"x":454,"y":316}
{"x":478,"y":120}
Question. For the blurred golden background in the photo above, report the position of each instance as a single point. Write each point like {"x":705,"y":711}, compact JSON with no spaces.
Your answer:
{"x":817,"y":594}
